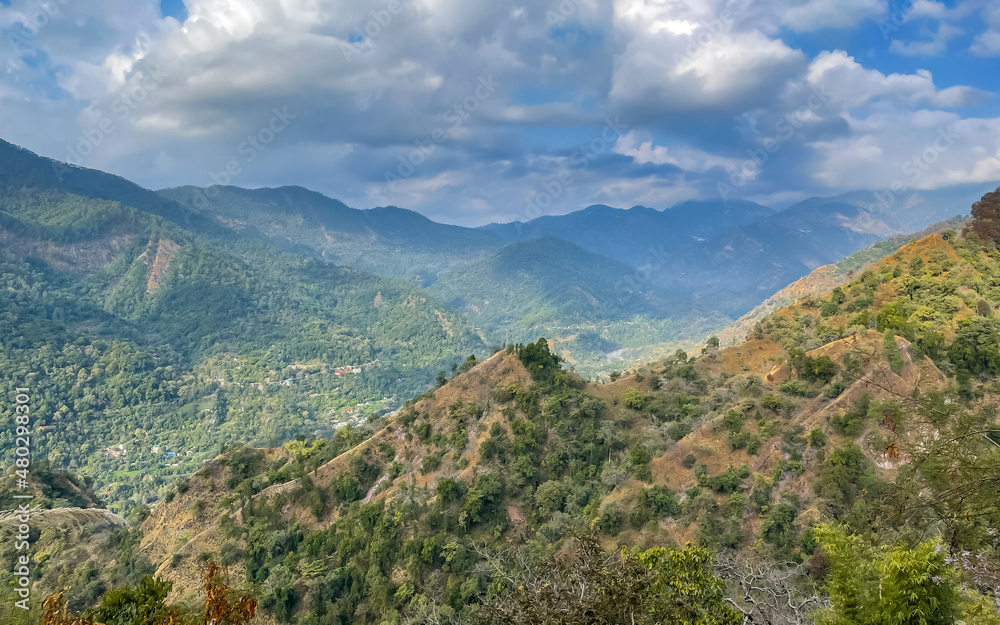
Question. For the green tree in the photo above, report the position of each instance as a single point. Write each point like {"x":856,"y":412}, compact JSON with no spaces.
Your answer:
{"x":975,"y":348}
{"x":587,"y":586}
{"x":144,"y":604}
{"x":986,"y":216}
{"x":884,"y":585}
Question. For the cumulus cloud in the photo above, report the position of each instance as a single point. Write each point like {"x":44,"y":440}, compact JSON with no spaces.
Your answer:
{"x":933,"y":45}
{"x":987,"y":43}
{"x":642,"y":150}
{"x":465,"y":111}
{"x":709,"y":65}
{"x":927,"y":8}
{"x":851,"y":85}
{"x":814,"y":15}
{"x":922,"y":150}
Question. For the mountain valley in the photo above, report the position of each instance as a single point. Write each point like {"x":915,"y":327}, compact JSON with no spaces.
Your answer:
{"x":360,"y":443}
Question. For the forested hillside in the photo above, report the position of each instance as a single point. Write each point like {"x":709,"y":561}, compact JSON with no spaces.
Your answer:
{"x":610,"y":287}
{"x":827,"y":277}
{"x":837,"y":466}
{"x":147,"y":344}
{"x":386,"y":241}
{"x":589,"y":306}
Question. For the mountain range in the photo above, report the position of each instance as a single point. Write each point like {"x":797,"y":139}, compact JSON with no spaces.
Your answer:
{"x":611,"y":287}
{"x":220,"y":314}
{"x":855,"y":410}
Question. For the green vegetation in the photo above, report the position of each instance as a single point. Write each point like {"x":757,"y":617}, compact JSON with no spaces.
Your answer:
{"x":162,"y":345}
{"x":840,"y":468}
{"x":632,"y":587}
{"x":548,"y":287}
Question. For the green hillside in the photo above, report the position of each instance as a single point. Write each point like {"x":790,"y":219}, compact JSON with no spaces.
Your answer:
{"x":147,"y":346}
{"x":386,"y":241}
{"x":592,"y":307}
{"x":849,"y":444}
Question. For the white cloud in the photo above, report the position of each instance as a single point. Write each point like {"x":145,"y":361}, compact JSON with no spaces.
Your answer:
{"x":987,"y":43}
{"x":922,"y":150}
{"x":851,"y":85}
{"x":936,"y":44}
{"x":813,"y":15}
{"x":642,"y":150}
{"x":715,"y":67}
{"x":927,"y":8}
{"x":713,"y":75}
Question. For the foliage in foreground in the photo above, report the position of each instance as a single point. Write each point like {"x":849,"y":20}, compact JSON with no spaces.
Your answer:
{"x":628,"y":587}
{"x":145,"y":604}
{"x":895,"y":585}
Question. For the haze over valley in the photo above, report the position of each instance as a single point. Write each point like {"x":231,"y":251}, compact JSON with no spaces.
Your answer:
{"x":421,"y":312}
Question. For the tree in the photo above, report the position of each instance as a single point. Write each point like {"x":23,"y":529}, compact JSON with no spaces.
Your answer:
{"x":482,"y":500}
{"x":768,"y":592}
{"x":221,"y":608}
{"x":586,"y":586}
{"x":145,"y":604}
{"x":952,"y":481}
{"x":986,"y":216}
{"x":540,"y":362}
{"x":56,"y":612}
{"x":896,"y":585}
{"x":975,"y":348}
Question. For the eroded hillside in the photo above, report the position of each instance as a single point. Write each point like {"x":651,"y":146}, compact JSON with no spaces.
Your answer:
{"x":742,"y":449}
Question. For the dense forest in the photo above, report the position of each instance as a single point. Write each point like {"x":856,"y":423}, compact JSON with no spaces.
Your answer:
{"x":147,"y":346}
{"x":838,"y":466}
{"x":349,"y":450}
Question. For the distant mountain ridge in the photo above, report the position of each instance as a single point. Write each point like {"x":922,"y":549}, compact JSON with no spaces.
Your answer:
{"x":631,"y":235}
{"x":738,"y":268}
{"x":685,"y":271}
{"x":145,"y":326}
{"x":658,"y":277}
{"x":388,"y":241}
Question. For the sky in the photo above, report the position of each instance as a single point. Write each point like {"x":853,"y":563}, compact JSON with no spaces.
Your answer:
{"x":478,"y":112}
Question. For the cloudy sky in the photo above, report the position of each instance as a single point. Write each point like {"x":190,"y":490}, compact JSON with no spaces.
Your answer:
{"x":472,"y":112}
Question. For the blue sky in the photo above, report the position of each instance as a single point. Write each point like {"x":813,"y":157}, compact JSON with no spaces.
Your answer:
{"x":479,"y":112}
{"x":174,"y":9}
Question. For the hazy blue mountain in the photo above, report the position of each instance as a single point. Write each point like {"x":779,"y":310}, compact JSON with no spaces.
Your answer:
{"x":601,"y":279}
{"x":913,"y":210}
{"x":137,"y":330}
{"x":591,"y":307}
{"x":737,"y":269}
{"x":388,"y":241}
{"x":634,"y":235}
